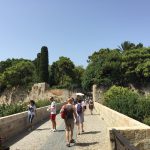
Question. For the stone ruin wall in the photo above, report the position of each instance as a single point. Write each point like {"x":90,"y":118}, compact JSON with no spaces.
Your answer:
{"x":39,"y":91}
{"x":42,"y":91}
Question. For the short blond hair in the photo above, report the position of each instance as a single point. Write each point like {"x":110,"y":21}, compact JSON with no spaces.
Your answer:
{"x":69,"y":100}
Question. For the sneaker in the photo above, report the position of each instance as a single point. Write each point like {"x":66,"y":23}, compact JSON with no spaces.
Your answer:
{"x":54,"y":130}
{"x":72,"y":141}
{"x":79,"y":133}
{"x":82,"y":130}
{"x":51,"y":129}
{"x":68,"y":144}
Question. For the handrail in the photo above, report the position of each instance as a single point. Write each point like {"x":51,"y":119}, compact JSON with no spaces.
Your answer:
{"x":121,"y":143}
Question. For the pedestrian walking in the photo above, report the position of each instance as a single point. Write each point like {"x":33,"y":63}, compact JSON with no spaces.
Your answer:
{"x":84,"y":104}
{"x":69,"y":118}
{"x":53,"y":114}
{"x":31,"y":113}
{"x":80,"y":116}
{"x":91,"y":106}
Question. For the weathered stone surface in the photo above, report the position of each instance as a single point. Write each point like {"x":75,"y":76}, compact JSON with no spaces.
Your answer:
{"x":14,"y":124}
{"x":38,"y":91}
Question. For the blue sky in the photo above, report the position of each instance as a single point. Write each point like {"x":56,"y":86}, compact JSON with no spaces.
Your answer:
{"x":71,"y":28}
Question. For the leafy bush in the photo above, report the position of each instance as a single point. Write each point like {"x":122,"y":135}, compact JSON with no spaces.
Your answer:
{"x":42,"y":103}
{"x":9,"y":109}
{"x":143,"y":109}
{"x":123,"y":100}
{"x":129,"y":103}
{"x":147,"y":120}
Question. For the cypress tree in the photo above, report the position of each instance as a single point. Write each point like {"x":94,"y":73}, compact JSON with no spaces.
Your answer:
{"x":38,"y":66}
{"x":43,"y":65}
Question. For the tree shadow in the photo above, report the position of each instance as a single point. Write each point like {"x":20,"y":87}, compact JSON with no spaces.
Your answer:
{"x":91,"y":132}
{"x":86,"y":144}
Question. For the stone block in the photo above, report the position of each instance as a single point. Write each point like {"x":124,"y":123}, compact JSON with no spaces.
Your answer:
{"x":140,"y":134}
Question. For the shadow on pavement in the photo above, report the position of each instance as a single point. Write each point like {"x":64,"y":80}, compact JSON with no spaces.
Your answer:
{"x":22,"y":134}
{"x":92,"y":115}
{"x":43,"y":129}
{"x":60,"y":130}
{"x":91,"y":132}
{"x":86,"y":144}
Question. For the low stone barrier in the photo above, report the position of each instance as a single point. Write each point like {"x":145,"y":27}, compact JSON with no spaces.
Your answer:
{"x":136,"y":132}
{"x":14,"y":124}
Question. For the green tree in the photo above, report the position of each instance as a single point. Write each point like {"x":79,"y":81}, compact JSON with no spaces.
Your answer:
{"x":88,"y":77}
{"x":44,"y":74}
{"x":37,"y":66}
{"x":136,"y":66}
{"x":22,"y":73}
{"x":123,"y":100}
{"x":104,"y":68}
{"x":54,"y":74}
{"x":126,"y":45}
{"x":78,"y":75}
{"x":62,"y":72}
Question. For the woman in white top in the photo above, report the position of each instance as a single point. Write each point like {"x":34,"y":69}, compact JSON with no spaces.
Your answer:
{"x":53,"y":114}
{"x":31,"y":113}
{"x":80,"y":116}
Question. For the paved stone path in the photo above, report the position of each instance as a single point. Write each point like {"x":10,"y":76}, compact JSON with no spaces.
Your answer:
{"x":43,"y":139}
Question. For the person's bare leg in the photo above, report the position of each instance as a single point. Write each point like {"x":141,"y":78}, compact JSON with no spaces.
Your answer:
{"x":78,"y":128}
{"x":55,"y":124}
{"x":67,"y":136}
{"x":71,"y":134}
{"x":82,"y":127}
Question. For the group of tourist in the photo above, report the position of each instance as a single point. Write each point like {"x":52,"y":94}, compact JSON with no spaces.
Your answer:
{"x":72,"y":111}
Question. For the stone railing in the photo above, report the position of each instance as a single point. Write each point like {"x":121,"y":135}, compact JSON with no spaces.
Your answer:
{"x":136,"y":132}
{"x":14,"y":124}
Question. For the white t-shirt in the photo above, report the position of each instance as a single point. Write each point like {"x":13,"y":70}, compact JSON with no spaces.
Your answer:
{"x":83,"y":103}
{"x":31,"y":109}
{"x":53,"y":107}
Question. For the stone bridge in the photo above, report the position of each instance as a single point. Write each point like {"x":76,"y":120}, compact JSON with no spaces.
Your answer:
{"x":97,"y":136}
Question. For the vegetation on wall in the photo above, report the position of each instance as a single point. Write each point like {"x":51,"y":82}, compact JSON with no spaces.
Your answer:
{"x":128,"y":102}
{"x":9,"y":109}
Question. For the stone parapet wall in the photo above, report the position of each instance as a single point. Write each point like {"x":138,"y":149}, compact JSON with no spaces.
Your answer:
{"x":17,"y":123}
{"x":138,"y":136}
{"x":136,"y":132}
{"x":115,"y":119}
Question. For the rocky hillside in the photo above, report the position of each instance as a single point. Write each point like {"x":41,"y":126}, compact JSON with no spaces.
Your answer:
{"x":38,"y":91}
